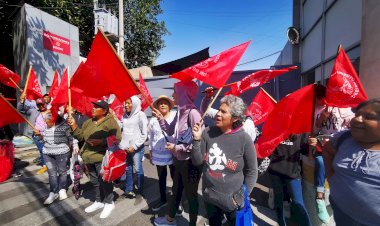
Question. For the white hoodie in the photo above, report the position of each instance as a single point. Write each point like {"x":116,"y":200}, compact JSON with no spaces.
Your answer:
{"x":134,"y":126}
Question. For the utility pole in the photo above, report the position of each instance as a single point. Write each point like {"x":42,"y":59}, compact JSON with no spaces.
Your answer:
{"x":121,"y":30}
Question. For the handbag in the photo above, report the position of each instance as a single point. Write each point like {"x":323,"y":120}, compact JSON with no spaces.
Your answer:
{"x":244,"y":217}
{"x":186,"y":137}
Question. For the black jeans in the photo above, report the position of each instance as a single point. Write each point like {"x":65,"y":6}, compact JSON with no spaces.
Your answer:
{"x":103,"y":190}
{"x":215,"y":215}
{"x":162,"y":172}
{"x":186,"y":177}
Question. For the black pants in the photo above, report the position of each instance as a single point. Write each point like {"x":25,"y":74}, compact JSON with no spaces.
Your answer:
{"x":215,"y":215}
{"x":103,"y":190}
{"x":186,"y":177}
{"x":162,"y":172}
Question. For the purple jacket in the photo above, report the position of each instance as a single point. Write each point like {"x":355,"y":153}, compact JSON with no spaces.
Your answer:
{"x":186,"y":92}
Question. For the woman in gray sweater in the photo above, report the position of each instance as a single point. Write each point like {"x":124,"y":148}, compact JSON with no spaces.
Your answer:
{"x":229,"y":160}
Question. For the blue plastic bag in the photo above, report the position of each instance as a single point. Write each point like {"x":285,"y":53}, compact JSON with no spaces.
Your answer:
{"x":244,"y":217}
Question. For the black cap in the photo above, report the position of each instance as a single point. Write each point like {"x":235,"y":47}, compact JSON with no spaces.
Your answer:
{"x":102,"y":104}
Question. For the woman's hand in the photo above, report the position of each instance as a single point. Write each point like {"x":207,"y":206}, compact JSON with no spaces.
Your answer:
{"x":94,"y":142}
{"x":130,"y":150}
{"x":156,"y":113}
{"x":209,"y":92}
{"x":36,"y":132}
{"x":312,"y":141}
{"x":197,"y":131}
{"x":170,"y":147}
{"x":72,"y":123}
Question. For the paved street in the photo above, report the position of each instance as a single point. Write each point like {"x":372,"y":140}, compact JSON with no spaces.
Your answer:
{"x":21,"y":201}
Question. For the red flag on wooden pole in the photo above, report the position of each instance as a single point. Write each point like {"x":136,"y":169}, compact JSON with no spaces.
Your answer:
{"x":292,"y":115}
{"x":8,"y":113}
{"x":260,"y":107}
{"x":32,"y":88}
{"x":256,"y":79}
{"x":8,"y":77}
{"x":344,"y":88}
{"x":104,"y":73}
{"x":54,"y":86}
{"x":146,"y":99}
{"x":215,"y":70}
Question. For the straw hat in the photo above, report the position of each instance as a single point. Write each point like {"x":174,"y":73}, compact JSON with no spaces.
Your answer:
{"x":163,"y":97}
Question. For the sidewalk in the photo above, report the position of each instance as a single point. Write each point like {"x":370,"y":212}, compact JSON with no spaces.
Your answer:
{"x":21,"y":201}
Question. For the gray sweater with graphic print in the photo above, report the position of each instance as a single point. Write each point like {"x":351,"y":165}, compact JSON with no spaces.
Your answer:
{"x":228,"y":161}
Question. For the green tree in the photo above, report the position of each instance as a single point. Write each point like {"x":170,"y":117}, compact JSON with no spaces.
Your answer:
{"x":143,"y":32}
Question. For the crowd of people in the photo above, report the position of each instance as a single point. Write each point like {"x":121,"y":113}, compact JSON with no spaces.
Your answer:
{"x":345,"y":147}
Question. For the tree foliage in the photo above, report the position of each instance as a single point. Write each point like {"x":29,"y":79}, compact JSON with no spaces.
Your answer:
{"x":143,"y":32}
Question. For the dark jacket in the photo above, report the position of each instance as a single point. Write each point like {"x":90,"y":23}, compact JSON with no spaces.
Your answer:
{"x":286,"y":159}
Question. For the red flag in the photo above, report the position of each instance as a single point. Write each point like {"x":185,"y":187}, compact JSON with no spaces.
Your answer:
{"x":292,"y":115}
{"x":8,"y":113}
{"x":54,"y":85}
{"x":145,"y":92}
{"x":344,"y":88}
{"x":33,"y":88}
{"x":260,"y":108}
{"x":215,"y":70}
{"x":104,"y":74}
{"x":256,"y":79}
{"x":6,"y":74}
{"x":118,"y":107}
{"x":62,"y":96}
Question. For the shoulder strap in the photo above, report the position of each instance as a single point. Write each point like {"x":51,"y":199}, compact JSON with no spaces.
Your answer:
{"x":341,"y":139}
{"x":188,"y":118}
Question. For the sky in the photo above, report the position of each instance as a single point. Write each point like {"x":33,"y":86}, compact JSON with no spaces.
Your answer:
{"x":222,"y":24}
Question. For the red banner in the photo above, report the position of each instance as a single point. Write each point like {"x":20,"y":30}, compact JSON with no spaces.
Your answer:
{"x":260,"y":108}
{"x":56,"y":43}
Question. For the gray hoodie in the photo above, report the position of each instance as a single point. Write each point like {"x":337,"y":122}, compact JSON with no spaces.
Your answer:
{"x":134,"y":126}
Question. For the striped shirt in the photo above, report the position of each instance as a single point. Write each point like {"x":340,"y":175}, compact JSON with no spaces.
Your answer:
{"x":57,"y":140}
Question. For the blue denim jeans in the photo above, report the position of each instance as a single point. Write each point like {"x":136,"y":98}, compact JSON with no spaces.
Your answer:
{"x":57,"y":170}
{"x":134,"y":163}
{"x":319,"y":173}
{"x":39,"y":145}
{"x":295,"y":189}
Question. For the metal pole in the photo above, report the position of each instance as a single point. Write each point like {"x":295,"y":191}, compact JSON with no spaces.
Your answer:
{"x":121,"y":30}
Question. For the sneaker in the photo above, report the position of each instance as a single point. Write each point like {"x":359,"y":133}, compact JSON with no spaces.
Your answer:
{"x":108,"y":207}
{"x":52,"y":196}
{"x":42,"y":170}
{"x":159,"y":206}
{"x":130,"y":195}
{"x":163,"y":221}
{"x":62,"y":194}
{"x":179,"y":211}
{"x":322,"y":211}
{"x":93,"y":207}
{"x":138,"y":200}
{"x":271,"y":199}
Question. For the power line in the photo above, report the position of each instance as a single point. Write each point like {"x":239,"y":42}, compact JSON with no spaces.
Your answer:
{"x":251,"y":61}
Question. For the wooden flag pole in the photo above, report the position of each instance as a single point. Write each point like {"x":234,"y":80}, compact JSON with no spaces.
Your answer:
{"x":68,"y":87}
{"x":212,"y":102}
{"x":27,"y":79}
{"x":15,"y":84}
{"x":26,"y":120}
{"x":268,"y":95}
{"x":124,"y":66}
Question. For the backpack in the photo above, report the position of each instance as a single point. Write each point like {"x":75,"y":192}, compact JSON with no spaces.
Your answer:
{"x":113,"y":164}
{"x":186,"y":137}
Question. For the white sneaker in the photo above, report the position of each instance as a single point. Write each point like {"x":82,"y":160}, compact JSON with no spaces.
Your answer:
{"x":51,"y":198}
{"x":93,"y":207}
{"x":62,"y":194}
{"x":107,"y":210}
